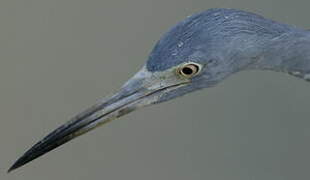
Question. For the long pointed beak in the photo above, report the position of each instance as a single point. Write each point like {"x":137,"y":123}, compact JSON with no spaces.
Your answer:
{"x":134,"y":94}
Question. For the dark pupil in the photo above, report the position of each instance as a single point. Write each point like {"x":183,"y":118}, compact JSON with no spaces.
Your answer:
{"x":187,"y":71}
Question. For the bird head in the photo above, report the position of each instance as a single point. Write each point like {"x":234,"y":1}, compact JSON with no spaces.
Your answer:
{"x":197,"y":53}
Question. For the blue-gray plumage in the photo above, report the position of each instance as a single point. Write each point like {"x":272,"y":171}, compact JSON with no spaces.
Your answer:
{"x":199,"y":52}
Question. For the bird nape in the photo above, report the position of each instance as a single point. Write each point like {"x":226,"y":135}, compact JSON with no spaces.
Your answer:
{"x":197,"y":53}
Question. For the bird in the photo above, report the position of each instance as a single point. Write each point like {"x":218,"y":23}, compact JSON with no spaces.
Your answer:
{"x":199,"y":52}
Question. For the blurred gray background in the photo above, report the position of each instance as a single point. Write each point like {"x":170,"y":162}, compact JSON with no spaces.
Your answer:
{"x":59,"y":57}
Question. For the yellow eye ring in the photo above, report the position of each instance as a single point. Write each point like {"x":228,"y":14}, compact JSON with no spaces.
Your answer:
{"x":189,"y":70}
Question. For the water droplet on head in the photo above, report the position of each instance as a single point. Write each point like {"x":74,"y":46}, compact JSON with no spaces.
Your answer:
{"x":174,"y":52}
{"x":180,"y":44}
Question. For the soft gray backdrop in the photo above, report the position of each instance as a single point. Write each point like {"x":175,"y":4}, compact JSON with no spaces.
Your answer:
{"x":58,"y":57}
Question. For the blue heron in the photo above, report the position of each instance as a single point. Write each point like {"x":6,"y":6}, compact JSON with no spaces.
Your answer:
{"x":199,"y":52}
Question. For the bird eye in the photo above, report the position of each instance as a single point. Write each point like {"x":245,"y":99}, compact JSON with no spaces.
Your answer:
{"x":189,"y":70}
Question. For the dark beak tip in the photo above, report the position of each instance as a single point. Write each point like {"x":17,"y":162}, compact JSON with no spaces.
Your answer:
{"x":12,"y":168}
{"x":17,"y":164}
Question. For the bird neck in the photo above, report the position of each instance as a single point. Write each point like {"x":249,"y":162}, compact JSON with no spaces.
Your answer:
{"x":289,"y":53}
